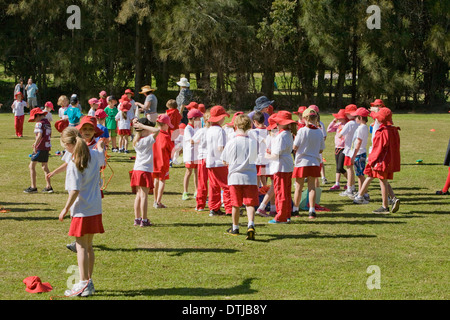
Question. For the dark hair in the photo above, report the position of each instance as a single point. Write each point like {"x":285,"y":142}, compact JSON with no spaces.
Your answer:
{"x":258,"y":116}
{"x":365,"y":119}
{"x":146,"y":122}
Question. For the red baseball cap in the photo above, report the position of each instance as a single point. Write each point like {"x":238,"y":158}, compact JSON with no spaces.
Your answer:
{"x":17,"y":93}
{"x":340,"y":114}
{"x":192,"y":105}
{"x":49,"y":104}
{"x":123,"y":98}
{"x":217,"y":113}
{"x":129,"y":91}
{"x":100,"y":113}
{"x":384,"y":116}
{"x":60,"y":125}
{"x":350,"y":108}
{"x":272,"y":123}
{"x":92,"y":121}
{"x":378,"y":102}
{"x":93,"y":101}
{"x":125,"y":105}
{"x":363,"y":112}
{"x":164,"y":118}
{"x":300,"y":110}
{"x":35,"y":285}
{"x":234,"y":117}
{"x":194,"y":113}
{"x":201,"y":108}
{"x":103,"y":93}
{"x":314,"y":107}
{"x":34,"y":112}
{"x":284,"y":118}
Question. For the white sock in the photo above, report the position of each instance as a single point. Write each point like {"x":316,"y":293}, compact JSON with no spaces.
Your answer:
{"x":235,"y":227}
{"x":251,"y":224}
{"x":337,"y":184}
{"x":294,"y":208}
{"x":262,"y":206}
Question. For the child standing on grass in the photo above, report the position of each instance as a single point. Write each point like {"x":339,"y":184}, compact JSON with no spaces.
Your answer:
{"x":18,"y":107}
{"x":337,"y":125}
{"x":229,"y":127}
{"x":162,"y":150}
{"x":103,"y":100}
{"x":308,"y":147}
{"x":48,"y":107}
{"x":240,"y":154}
{"x":84,"y":203}
{"x":100,"y":116}
{"x":175,"y":118}
{"x":111,"y":122}
{"x":141,"y":176}
{"x":259,"y":134}
{"x":281,"y":154}
{"x":216,"y":140}
{"x":202,"y":183}
{"x":299,"y":113}
{"x":190,"y":151}
{"x":73,"y":112}
{"x":347,"y":134}
{"x":63,"y":103}
{"x":94,"y":103}
{"x":124,"y":118}
{"x":41,"y":149}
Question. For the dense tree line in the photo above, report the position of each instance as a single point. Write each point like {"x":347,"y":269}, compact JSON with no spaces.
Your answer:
{"x":301,"y":51}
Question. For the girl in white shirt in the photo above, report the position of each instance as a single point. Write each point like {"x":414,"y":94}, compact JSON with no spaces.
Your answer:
{"x":124,"y":118}
{"x":190,"y":151}
{"x":84,"y":203}
{"x":141,"y":176}
{"x":19,"y":114}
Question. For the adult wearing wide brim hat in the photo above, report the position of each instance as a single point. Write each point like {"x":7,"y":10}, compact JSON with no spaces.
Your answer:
{"x":184,"y":98}
{"x":150,"y":105}
{"x":262,"y":104}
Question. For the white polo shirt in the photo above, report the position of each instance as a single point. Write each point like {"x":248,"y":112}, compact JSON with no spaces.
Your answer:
{"x":309,"y":143}
{"x":122,"y":123}
{"x":190,"y":151}
{"x":362,"y":132}
{"x":200,"y":138}
{"x":215,"y":138}
{"x":260,"y":135}
{"x":18,"y":108}
{"x":144,"y":154}
{"x":281,"y":146}
{"x":241,"y":154}
{"x":347,"y":133}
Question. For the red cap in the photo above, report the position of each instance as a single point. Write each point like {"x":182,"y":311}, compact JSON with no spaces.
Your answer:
{"x":93,"y":101}
{"x":384,"y":116}
{"x":192,"y":105}
{"x":164,"y":118}
{"x":92,"y":121}
{"x":34,"y":112}
{"x":60,"y":125}
{"x":340,"y":114}
{"x":314,"y":107}
{"x":201,"y":108}
{"x":217,"y":113}
{"x":350,"y":108}
{"x":123,"y":98}
{"x":378,"y":102}
{"x":194,"y":113}
{"x":182,"y":126}
{"x":103,"y":93}
{"x":363,"y":112}
{"x":100,"y":113}
{"x":125,"y":105}
{"x":272,"y":123}
{"x":284,"y":118}
{"x":234,"y":117}
{"x":35,"y":285}
{"x":49,"y":104}
{"x":129,"y":91}
{"x":300,"y":110}
{"x":17,"y":93}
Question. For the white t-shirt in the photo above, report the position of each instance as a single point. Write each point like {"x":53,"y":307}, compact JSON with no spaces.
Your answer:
{"x":122,"y":123}
{"x":144,"y":154}
{"x":229,"y":132}
{"x":215,"y":138}
{"x":61,"y":113}
{"x":91,"y":112}
{"x":49,"y":116}
{"x":200,"y":138}
{"x":281,"y":146}
{"x":272,"y":166}
{"x":240,"y":154}
{"x":362,"y":132}
{"x":260,"y":135}
{"x":347,"y":133}
{"x":190,"y":151}
{"x":309,"y":143}
{"x":89,"y":200}
{"x":18,"y":108}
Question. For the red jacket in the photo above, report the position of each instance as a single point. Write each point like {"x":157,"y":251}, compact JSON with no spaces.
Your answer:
{"x":175,"y":119}
{"x":162,"y":151}
{"x":385,"y":155}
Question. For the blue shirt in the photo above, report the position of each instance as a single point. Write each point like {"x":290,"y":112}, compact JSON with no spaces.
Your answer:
{"x":31,"y":91}
{"x":105,"y":131}
{"x":74,"y":114}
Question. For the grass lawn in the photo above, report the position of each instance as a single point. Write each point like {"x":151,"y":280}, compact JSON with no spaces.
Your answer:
{"x":187,"y":256}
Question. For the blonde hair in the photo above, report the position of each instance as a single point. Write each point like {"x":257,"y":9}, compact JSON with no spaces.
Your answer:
{"x":81,"y":154}
{"x":172,"y":104}
{"x":206,"y":117}
{"x":243,"y":122}
{"x":61,"y":99}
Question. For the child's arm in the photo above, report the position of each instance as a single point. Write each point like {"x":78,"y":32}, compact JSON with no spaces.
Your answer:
{"x":73,"y":194}
{"x":60,"y":169}
{"x":37,"y":141}
{"x":357,"y":146}
{"x":138,"y":125}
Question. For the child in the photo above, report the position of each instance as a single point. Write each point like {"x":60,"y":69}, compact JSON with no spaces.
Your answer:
{"x":141,"y":176}
{"x":41,"y":149}
{"x":178,"y":145}
{"x":93,"y":102}
{"x":124,"y":118}
{"x":111,"y":122}
{"x":84,"y":203}
{"x":308,"y":147}
{"x":216,"y":140}
{"x":259,"y":134}
{"x":48,"y":107}
{"x":89,"y":131}
{"x":337,"y":125}
{"x":383,"y":160}
{"x":190,"y":151}
{"x":299,"y":113}
{"x":202,"y":180}
{"x":162,"y":150}
{"x":103,"y":101}
{"x":63,"y":102}
{"x":229,"y":127}
{"x":281,"y":150}
{"x":175,"y":118}
{"x":73,"y":112}
{"x":100,"y":116}
{"x":321,"y":126}
{"x":347,"y":134}
{"x":19,"y":115}
{"x":444,"y":190}
{"x":359,"y":146}
{"x":134,"y":108}
{"x":240,"y":154}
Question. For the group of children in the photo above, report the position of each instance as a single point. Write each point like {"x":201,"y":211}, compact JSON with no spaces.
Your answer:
{"x":247,"y":162}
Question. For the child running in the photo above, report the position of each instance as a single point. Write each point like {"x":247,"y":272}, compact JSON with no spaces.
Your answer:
{"x":84,"y":203}
{"x":240,"y":154}
{"x":141,"y":176}
{"x":308,"y":147}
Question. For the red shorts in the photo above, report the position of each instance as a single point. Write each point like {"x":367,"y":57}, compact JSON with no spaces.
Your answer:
{"x":161,"y":176}
{"x":191,"y":165}
{"x":378,"y":174}
{"x":124,"y":132}
{"x":347,"y":161}
{"x":304,"y":172}
{"x":261,"y":170}
{"x":86,"y":225}
{"x":244,"y":194}
{"x":141,"y":179}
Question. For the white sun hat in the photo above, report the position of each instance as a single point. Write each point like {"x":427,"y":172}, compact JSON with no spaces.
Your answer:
{"x":183,"y":83}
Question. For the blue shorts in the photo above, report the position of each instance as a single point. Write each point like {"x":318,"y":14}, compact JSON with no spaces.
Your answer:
{"x":360,"y":164}
{"x":40,"y":156}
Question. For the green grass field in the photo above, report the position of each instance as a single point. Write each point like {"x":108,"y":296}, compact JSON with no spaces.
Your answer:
{"x":187,"y":256}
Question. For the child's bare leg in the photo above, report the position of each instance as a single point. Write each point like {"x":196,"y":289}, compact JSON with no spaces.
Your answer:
{"x":144,"y":202}
{"x":235,"y":211}
{"x":162,"y":184}
{"x":85,"y":256}
{"x":46,"y":172}
{"x":187,"y":176}
{"x":298,"y":190}
{"x":312,"y":191}
{"x":137,"y":203}
{"x":155,"y":189}
{"x":384,"y":192}
{"x":33,"y":173}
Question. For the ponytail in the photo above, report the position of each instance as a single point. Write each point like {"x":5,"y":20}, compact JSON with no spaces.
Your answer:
{"x":81,"y":154}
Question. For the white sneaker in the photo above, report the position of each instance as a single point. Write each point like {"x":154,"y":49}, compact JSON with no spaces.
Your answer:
{"x":81,"y":289}
{"x":360,"y":200}
{"x":346,"y":193}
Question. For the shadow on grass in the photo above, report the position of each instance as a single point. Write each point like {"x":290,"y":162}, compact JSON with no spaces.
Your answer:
{"x":311,"y":235}
{"x":176,"y":252}
{"x":240,"y":289}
